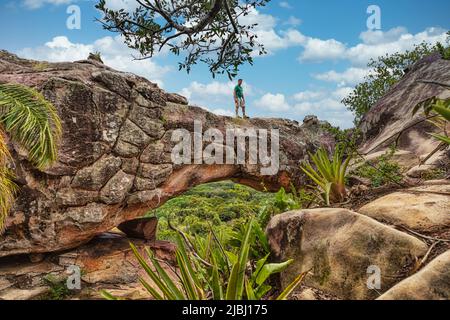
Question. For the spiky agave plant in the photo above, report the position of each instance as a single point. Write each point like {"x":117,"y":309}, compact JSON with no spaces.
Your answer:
{"x":328,"y":175}
{"x":202,"y":276}
{"x":31,"y":121}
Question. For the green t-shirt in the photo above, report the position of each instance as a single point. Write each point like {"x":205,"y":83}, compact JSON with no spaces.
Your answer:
{"x":239,"y":91}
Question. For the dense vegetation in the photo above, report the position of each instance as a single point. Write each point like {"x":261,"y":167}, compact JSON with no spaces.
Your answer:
{"x":223,"y":205}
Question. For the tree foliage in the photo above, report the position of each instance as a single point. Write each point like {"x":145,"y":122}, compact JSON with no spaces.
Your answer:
{"x":214,"y":32}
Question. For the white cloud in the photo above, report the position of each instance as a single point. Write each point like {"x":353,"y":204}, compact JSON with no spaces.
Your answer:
{"x":320,"y":50}
{"x":341,"y":93}
{"x":351,"y":76}
{"x":127,"y":5}
{"x":363,"y":52}
{"x":293,"y":21}
{"x":373,"y":37}
{"x":309,"y":95}
{"x":223,"y":112}
{"x":273,"y":102}
{"x":375,"y":44}
{"x":114,"y":53}
{"x":285,"y":5}
{"x":36,"y":4}
{"x":267,"y":33}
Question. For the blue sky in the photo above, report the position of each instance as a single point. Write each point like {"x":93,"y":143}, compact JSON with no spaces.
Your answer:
{"x":318,"y":50}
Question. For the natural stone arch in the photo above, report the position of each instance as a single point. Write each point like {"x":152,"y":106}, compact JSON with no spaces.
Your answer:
{"x":115,"y":158}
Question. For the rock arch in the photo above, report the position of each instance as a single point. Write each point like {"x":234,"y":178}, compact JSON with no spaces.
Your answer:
{"x":115,"y":158}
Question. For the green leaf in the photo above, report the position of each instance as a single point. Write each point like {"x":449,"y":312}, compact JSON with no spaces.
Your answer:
{"x":158,"y":282}
{"x":291,"y":287}
{"x":249,"y":291}
{"x":259,"y":265}
{"x":150,"y":289}
{"x":445,"y":112}
{"x":216,"y":286}
{"x":108,"y":296}
{"x":236,"y":283}
{"x":442,"y":138}
{"x":270,"y":269}
{"x":165,"y":277}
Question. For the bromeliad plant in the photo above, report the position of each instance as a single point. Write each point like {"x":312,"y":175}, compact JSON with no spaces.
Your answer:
{"x":328,"y":175}
{"x":31,"y":121}
{"x":208,"y":271}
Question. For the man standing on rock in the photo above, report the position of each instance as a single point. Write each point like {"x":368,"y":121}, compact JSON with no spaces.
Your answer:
{"x":239,"y":99}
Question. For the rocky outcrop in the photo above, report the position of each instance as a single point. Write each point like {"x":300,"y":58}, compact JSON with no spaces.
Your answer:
{"x":105,"y":263}
{"x":431,"y":283}
{"x":392,"y":114}
{"x":115,"y":157}
{"x":341,"y":248}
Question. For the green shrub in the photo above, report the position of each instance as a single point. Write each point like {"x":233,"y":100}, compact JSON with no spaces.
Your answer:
{"x":383,"y":172}
{"x":58,"y":288}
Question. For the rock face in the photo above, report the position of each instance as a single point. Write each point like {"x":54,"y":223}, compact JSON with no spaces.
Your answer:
{"x":393,"y":113}
{"x":431,"y":283}
{"x":144,"y":228}
{"x":105,"y":263}
{"x":340,"y":247}
{"x":115,"y":157}
{"x":423,"y":212}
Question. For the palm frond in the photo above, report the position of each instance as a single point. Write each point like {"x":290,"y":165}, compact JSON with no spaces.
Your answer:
{"x":7,"y":187}
{"x":32,"y":121}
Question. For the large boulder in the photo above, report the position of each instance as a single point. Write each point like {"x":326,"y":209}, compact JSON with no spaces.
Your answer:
{"x":340,"y":248}
{"x":115,"y":156}
{"x":430,"y":283}
{"x":424,"y":209}
{"x":392,"y":114}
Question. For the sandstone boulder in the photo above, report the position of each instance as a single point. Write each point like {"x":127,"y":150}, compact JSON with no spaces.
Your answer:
{"x":420,"y":211}
{"x":392,"y":114}
{"x":338,"y":246}
{"x":430,"y":283}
